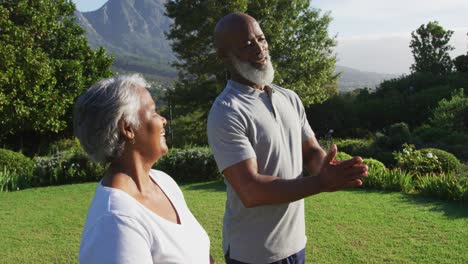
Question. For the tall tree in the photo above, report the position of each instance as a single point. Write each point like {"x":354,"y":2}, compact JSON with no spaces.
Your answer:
{"x":46,"y":64}
{"x":300,"y":47}
{"x":430,"y":47}
{"x":461,"y":62}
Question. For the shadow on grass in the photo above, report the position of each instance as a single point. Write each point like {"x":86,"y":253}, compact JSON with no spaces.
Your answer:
{"x":217,"y":186}
{"x":451,"y":209}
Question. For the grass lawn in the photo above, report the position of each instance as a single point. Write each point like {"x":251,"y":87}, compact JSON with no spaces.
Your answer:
{"x":44,"y":225}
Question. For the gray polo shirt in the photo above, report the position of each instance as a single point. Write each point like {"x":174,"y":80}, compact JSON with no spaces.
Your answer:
{"x":269,"y":126}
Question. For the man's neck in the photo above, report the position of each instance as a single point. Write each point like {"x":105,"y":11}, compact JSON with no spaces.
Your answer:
{"x":238,"y":78}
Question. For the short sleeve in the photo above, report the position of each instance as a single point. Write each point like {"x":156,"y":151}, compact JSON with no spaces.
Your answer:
{"x":307,"y":131}
{"x":115,"y":239}
{"x":228,"y":138}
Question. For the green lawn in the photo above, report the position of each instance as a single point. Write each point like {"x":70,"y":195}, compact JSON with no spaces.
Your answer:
{"x":44,"y":225}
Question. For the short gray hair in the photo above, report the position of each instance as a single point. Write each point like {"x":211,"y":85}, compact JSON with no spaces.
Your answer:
{"x":98,"y":111}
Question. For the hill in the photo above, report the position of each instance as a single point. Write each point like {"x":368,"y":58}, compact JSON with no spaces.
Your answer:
{"x":134,"y":32}
{"x":352,"y":79}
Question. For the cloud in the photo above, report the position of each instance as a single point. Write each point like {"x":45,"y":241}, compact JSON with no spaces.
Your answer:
{"x":387,"y":53}
{"x":371,"y":9}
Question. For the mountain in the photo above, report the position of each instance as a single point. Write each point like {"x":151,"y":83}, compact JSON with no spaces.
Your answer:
{"x":134,"y":32}
{"x":352,"y":79}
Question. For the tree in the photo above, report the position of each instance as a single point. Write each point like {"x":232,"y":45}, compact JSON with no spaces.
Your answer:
{"x":461,"y":63}
{"x":430,"y":49}
{"x":46,"y":64}
{"x":300,"y":48}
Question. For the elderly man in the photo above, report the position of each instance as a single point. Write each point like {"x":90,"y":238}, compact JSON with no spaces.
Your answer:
{"x":261,"y":140}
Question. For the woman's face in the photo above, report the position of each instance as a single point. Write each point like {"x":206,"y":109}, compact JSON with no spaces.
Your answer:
{"x":150,"y":138}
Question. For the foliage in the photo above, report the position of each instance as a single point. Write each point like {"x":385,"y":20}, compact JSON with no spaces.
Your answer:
{"x":365,"y":148}
{"x":15,"y":163}
{"x":12,"y":181}
{"x":297,"y":35}
{"x":451,"y":115}
{"x":46,"y":64}
{"x":341,"y":119}
{"x":409,"y":99}
{"x":188,"y":130}
{"x":448,"y":162}
{"x":396,"y":135}
{"x":65,"y":167}
{"x":429,"y":134}
{"x":448,"y":186}
{"x":461,"y":63}
{"x":190,"y":164}
{"x":430,"y":48}
{"x":390,"y":180}
{"x":355,"y":147}
{"x":343,"y":156}
{"x":416,"y":161}
{"x":65,"y":144}
{"x":375,"y":167}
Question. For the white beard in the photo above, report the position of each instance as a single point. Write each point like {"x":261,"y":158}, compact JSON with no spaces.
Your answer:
{"x":263,"y":77}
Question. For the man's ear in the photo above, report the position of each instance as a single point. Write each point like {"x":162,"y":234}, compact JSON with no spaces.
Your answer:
{"x":126,"y":130}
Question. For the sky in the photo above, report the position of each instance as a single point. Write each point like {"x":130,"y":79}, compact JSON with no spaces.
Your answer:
{"x":374,"y":35}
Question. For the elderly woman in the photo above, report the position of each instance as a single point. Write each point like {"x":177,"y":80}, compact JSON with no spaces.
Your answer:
{"x":138,"y":215}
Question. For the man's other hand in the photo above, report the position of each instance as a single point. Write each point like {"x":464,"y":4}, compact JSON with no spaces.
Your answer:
{"x":336,"y":175}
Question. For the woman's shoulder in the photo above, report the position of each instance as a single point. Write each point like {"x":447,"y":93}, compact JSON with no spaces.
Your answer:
{"x":113,"y":202}
{"x":158,"y":175}
{"x":167,"y":181}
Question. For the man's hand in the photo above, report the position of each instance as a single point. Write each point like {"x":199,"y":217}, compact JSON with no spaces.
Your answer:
{"x":336,"y":175}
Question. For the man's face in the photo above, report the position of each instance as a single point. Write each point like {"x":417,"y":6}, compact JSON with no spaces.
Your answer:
{"x":249,"y":54}
{"x":249,"y":45}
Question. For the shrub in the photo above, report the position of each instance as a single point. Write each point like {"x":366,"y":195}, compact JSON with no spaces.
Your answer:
{"x":390,"y":180}
{"x":355,"y":147}
{"x":65,"y":167}
{"x":68,"y":144}
{"x":12,"y":181}
{"x":193,"y":164}
{"x":448,"y":186}
{"x":374,"y":166}
{"x":16,"y":162}
{"x":343,"y":156}
{"x":398,"y":134}
{"x":455,"y":138}
{"x":385,"y":157}
{"x":448,"y":161}
{"x":429,"y":134}
{"x":416,"y":161}
{"x":450,"y":115}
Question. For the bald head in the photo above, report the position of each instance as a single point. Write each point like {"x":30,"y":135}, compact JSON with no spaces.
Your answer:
{"x":229,"y":25}
{"x":242,"y":46}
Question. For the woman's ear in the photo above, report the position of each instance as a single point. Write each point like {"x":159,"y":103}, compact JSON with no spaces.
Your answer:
{"x":126,"y":130}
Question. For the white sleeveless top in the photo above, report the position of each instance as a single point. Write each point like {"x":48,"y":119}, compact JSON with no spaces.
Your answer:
{"x":119,"y":229}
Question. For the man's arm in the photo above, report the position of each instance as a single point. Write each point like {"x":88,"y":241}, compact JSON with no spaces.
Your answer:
{"x":312,"y":155}
{"x":255,"y":189}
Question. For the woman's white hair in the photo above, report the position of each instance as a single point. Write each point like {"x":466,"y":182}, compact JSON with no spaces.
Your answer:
{"x":98,"y":111}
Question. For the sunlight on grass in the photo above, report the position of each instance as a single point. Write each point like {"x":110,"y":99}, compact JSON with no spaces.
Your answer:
{"x":44,"y":225}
